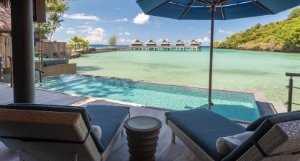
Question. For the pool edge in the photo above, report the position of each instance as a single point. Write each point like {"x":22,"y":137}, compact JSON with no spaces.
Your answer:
{"x":265,"y":107}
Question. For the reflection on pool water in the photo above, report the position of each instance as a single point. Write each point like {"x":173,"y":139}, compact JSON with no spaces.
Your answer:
{"x":235,"y":105}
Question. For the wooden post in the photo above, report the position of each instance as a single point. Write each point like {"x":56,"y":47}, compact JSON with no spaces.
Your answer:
{"x":23,"y":53}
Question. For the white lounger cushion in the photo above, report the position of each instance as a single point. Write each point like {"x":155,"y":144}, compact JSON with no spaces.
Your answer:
{"x":97,"y":130}
{"x":226,"y":145}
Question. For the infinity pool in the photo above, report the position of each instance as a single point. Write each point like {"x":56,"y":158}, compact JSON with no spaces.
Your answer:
{"x":234,"y":105}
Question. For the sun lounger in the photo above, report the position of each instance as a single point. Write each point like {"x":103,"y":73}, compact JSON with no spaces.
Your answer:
{"x":275,"y":137}
{"x":60,"y":133}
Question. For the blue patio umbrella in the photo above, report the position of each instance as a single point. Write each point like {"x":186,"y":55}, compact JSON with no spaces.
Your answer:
{"x":214,"y":10}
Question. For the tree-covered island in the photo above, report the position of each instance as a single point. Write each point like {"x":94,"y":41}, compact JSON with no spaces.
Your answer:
{"x":283,"y":36}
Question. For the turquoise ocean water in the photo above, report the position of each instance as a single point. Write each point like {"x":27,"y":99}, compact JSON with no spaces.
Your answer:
{"x":232,"y":69}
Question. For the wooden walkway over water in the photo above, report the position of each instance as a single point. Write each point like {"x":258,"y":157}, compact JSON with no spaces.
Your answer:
{"x":145,"y":48}
{"x":165,"y":150}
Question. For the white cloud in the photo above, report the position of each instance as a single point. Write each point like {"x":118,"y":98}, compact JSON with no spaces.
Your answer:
{"x":121,"y":20}
{"x":225,"y":32}
{"x":84,"y":26}
{"x":159,"y":40}
{"x":120,"y":28}
{"x":122,"y":40}
{"x":87,"y":23}
{"x":62,"y":40}
{"x":94,"y":35}
{"x":125,"y":33}
{"x":82,"y":16}
{"x":141,"y":18}
{"x":204,"y":41}
{"x":190,"y":28}
{"x":70,"y":32}
{"x":208,"y":32}
{"x":117,"y":8}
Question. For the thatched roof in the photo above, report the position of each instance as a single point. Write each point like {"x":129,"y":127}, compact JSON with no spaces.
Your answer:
{"x":165,"y":42}
{"x":136,"y":41}
{"x":150,"y":42}
{"x":179,"y":42}
{"x":5,"y":22}
{"x":194,"y":42}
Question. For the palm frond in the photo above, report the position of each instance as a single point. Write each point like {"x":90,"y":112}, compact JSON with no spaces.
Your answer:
{"x":5,"y":3}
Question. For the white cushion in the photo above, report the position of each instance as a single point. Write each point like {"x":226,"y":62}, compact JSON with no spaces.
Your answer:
{"x":226,"y":145}
{"x":97,"y":130}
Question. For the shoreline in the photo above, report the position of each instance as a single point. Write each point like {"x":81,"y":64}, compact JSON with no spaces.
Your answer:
{"x":267,"y":50}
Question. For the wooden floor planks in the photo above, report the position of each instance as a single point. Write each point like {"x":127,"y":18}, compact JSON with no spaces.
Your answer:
{"x":165,"y":150}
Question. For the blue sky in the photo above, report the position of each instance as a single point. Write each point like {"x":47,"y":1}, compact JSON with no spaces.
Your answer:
{"x":97,"y":20}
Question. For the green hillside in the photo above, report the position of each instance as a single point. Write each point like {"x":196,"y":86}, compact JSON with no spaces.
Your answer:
{"x":279,"y":36}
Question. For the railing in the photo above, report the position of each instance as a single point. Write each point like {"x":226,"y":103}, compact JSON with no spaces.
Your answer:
{"x":40,"y":75}
{"x":290,"y":87}
{"x":10,"y":70}
{"x":11,"y":76}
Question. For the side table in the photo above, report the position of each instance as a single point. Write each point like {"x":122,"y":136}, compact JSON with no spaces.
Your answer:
{"x":142,"y":135}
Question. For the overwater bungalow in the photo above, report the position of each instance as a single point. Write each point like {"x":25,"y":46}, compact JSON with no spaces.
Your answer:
{"x":195,"y":45}
{"x":165,"y":45}
{"x":180,"y":45}
{"x":150,"y":45}
{"x":136,"y":44}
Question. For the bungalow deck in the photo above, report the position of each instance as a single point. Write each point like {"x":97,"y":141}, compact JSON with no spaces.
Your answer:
{"x":166,"y":151}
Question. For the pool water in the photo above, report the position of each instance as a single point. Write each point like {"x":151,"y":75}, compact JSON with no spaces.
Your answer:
{"x":234,"y":105}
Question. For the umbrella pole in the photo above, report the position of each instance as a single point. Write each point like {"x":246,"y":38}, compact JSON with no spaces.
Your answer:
{"x":211,"y":56}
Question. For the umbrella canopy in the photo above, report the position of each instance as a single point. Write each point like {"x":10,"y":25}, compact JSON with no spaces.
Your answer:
{"x":225,"y":9}
{"x":213,"y":10}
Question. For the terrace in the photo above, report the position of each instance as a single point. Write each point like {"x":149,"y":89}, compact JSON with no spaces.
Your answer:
{"x":166,"y":151}
{"x":24,"y":92}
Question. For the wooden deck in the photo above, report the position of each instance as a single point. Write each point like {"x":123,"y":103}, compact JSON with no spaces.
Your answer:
{"x":166,"y":151}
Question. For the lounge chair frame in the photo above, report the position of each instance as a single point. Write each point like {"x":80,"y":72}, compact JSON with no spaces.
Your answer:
{"x":87,"y":145}
{"x":200,"y":154}
{"x":281,"y":142}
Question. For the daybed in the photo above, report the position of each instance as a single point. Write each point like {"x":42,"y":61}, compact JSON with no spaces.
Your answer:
{"x":275,"y":137}
{"x":60,"y":133}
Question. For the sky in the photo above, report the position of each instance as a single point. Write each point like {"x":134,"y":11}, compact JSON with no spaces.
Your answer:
{"x":98,"y":20}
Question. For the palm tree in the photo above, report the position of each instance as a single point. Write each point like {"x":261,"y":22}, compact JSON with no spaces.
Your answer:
{"x":84,"y":43}
{"x":71,"y":45}
{"x":55,"y":21}
{"x":76,"y":40}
